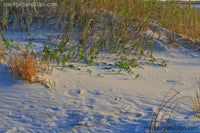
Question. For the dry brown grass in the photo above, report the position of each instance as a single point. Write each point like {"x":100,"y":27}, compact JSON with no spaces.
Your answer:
{"x":168,"y":106}
{"x":196,"y":101}
{"x":23,"y":66}
{"x":2,"y":53}
{"x":132,"y":13}
{"x":162,"y":115}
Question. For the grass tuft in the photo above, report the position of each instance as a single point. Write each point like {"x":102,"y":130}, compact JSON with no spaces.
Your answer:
{"x":196,"y":101}
{"x":165,"y":111}
{"x":2,"y":54}
{"x":23,"y":66}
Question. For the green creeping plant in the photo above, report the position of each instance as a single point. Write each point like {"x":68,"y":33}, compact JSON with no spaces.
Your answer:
{"x":89,"y":71}
{"x":123,"y":64}
{"x":137,"y":76}
{"x":99,"y":75}
{"x":64,"y":60}
{"x":90,"y":62}
{"x":119,"y":71}
{"x":153,"y":60}
{"x":134,"y":62}
{"x":80,"y":53}
{"x":164,"y":64}
{"x":129,"y":70}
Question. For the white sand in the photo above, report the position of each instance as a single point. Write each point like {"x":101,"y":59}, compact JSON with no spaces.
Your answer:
{"x":109,"y":103}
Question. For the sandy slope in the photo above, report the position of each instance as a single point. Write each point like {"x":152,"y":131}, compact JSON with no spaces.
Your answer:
{"x":84,"y":102}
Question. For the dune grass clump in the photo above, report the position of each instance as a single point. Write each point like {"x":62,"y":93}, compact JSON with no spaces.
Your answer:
{"x":164,"y":112}
{"x":2,"y":53}
{"x":121,"y":18}
{"x":196,"y":101}
{"x":23,"y":66}
{"x":23,"y":63}
{"x":114,"y":26}
{"x":162,"y":115}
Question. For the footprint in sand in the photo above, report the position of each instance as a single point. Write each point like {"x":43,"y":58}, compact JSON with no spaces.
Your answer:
{"x":171,"y":81}
{"x":141,"y":114}
{"x":131,"y":113}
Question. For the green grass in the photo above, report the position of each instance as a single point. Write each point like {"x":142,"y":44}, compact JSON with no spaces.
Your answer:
{"x":117,"y":26}
{"x":86,"y":14}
